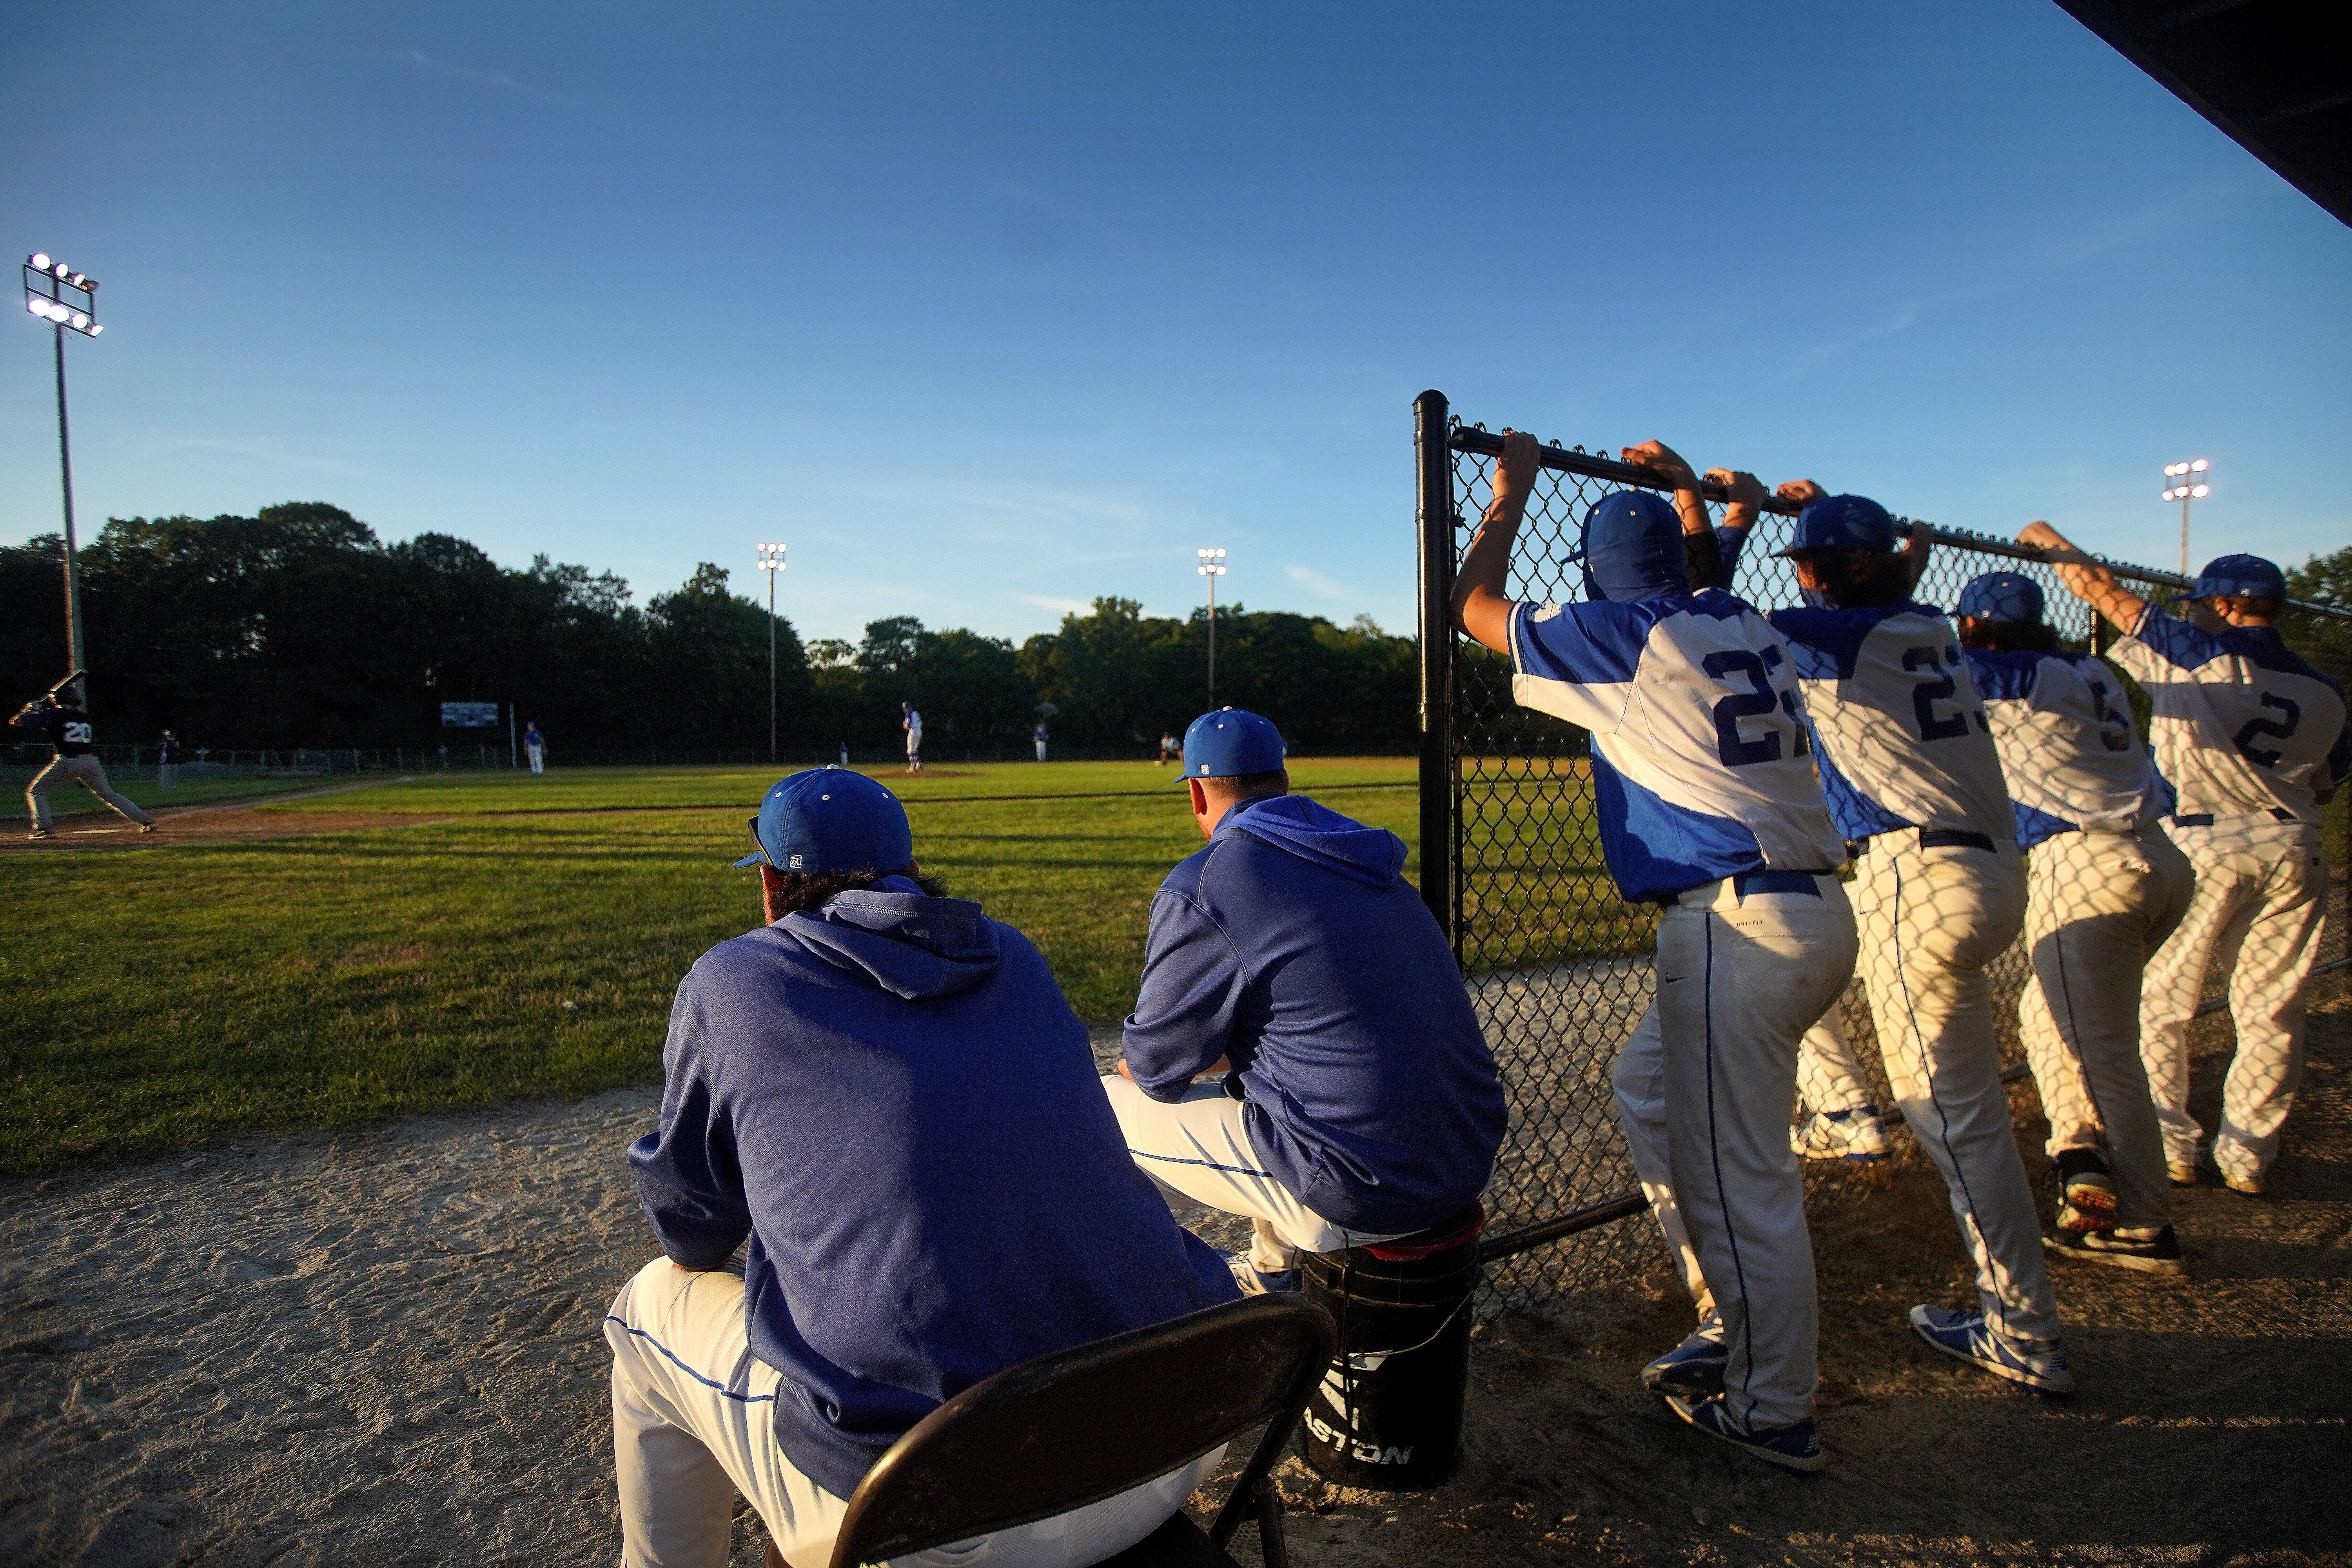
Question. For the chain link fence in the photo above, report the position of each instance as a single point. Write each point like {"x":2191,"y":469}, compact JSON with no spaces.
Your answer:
{"x":1557,"y":965}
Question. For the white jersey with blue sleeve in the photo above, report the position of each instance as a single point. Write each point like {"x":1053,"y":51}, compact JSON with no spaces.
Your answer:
{"x":1700,"y":765}
{"x":2241,"y":725}
{"x":1903,"y":741}
{"x":2066,"y":743}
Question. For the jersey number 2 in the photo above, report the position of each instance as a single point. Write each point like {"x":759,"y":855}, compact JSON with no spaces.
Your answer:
{"x":1927,"y":693}
{"x":2244,"y":739}
{"x":1752,"y":704}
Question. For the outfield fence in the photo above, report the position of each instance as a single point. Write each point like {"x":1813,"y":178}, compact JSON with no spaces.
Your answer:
{"x":1557,"y":965}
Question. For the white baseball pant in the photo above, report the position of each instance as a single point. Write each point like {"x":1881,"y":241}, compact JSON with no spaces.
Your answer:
{"x":2261,"y":894}
{"x":538,"y":755}
{"x":87,"y":772}
{"x":1198,"y":1150}
{"x":1932,"y":919}
{"x":2098,"y":907}
{"x":694,"y":1425}
{"x":1704,"y":1088}
{"x":1828,"y":1074}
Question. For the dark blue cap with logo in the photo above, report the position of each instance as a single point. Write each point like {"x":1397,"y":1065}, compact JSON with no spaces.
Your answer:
{"x":1842,"y":523}
{"x":831,"y":819}
{"x":2001,"y":596}
{"x":1633,"y":547}
{"x":2236,"y":577}
{"x":1230,"y":742}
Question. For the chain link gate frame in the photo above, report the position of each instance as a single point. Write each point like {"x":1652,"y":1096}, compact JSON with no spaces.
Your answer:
{"x":1557,"y":964}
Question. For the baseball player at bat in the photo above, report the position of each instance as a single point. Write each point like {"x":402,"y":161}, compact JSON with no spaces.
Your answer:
{"x":1703,"y":788}
{"x":1913,"y":782}
{"x":2104,"y":888}
{"x":60,"y":716}
{"x":2252,"y":739}
{"x":1359,"y":1103}
{"x":882,"y":1099}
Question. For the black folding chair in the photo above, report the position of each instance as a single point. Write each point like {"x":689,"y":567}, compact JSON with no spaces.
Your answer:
{"x":1064,"y":1430}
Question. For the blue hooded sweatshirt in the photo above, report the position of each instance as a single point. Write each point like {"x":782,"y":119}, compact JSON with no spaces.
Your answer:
{"x":1293,"y":945}
{"x":891,"y":1098}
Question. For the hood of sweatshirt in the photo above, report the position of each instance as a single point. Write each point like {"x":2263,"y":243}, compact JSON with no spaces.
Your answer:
{"x":1320,"y":836}
{"x":895,"y":939}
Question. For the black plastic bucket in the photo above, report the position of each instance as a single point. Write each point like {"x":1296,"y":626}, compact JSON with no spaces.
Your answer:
{"x":1389,"y":1413}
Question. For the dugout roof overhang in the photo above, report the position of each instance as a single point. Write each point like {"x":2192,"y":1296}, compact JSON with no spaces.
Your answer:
{"x":2274,"y":74}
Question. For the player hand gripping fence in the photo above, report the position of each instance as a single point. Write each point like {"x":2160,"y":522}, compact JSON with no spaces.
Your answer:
{"x":1558,"y":967}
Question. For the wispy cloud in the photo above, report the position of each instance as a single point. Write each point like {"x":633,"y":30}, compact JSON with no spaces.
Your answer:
{"x":423,"y":61}
{"x":267,"y":449}
{"x":2059,"y":256}
{"x":1047,"y":601}
{"x":1317,"y":584}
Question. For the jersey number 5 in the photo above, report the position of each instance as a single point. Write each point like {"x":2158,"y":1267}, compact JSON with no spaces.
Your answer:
{"x":1751,"y":704}
{"x":2244,"y":739}
{"x":1927,"y":693}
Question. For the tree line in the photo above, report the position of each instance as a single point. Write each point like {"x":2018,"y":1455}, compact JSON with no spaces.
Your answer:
{"x":297,"y":627}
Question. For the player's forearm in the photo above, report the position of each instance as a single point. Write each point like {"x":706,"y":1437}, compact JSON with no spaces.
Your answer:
{"x":2086,"y":578}
{"x":1481,"y":610}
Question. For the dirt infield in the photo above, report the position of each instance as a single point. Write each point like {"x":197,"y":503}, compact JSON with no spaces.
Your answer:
{"x":385,"y":1348}
{"x":226,"y":822}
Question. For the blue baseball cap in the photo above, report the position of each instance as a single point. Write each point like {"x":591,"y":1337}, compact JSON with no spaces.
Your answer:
{"x":1842,"y":523}
{"x":1633,"y":547}
{"x":1230,"y":742}
{"x":2001,"y":596}
{"x":831,"y":819}
{"x":2237,"y":576}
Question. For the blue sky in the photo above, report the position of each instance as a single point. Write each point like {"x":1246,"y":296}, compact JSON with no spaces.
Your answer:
{"x":989,"y":311}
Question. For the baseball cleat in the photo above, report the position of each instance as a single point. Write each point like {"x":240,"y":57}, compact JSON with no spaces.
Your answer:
{"x":38,"y":833}
{"x":146,"y":827}
{"x":1797,"y":1448}
{"x":2180,"y":1175}
{"x":2158,"y":1254}
{"x":2250,"y":1186}
{"x":1255,"y":1281}
{"x":1856,"y":1134}
{"x":2087,"y":1196}
{"x":2037,"y":1364}
{"x":1693,"y":1368}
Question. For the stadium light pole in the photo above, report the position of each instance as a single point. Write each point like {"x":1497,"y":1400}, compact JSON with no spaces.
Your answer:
{"x":48,"y":283}
{"x":2185,"y":482}
{"x":772,"y":561}
{"x":1213,"y":566}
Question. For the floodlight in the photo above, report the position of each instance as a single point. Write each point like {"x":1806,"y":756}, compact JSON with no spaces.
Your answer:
{"x":79,"y":319}
{"x":2199,"y":466}
{"x":2201,"y":490}
{"x":38,"y":307}
{"x":39,"y":262}
{"x":60,"y":270}
{"x":95,"y":329}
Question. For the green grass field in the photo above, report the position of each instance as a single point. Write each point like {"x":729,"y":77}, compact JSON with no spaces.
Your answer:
{"x":185,"y":992}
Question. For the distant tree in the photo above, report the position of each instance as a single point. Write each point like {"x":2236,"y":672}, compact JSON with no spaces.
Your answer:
{"x":2322,"y":579}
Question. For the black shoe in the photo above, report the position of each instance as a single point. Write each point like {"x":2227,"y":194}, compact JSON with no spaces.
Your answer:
{"x":2158,"y":1253}
{"x":2087,"y":1196}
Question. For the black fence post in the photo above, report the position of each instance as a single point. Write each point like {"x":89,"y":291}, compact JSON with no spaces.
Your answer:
{"x":1440,"y":878}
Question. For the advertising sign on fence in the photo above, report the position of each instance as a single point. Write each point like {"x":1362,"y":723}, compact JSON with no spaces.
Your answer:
{"x":470,"y":715}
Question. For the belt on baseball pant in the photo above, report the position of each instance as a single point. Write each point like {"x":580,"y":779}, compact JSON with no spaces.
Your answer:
{"x":1933,"y":838}
{"x":1744,"y":883}
{"x":2207,"y":819}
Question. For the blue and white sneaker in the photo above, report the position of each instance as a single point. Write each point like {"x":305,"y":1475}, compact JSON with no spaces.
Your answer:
{"x":1693,"y":1368}
{"x":1797,"y":1448}
{"x":2037,"y":1364}
{"x":1255,"y":1281}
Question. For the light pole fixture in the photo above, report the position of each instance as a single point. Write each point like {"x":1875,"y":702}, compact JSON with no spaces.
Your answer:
{"x":64,"y":298}
{"x":1213,"y":566}
{"x":2185,"y":482}
{"x":771,"y":562}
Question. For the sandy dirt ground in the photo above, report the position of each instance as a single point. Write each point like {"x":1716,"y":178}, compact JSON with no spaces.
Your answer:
{"x":218,"y":821}
{"x":384,"y":1347}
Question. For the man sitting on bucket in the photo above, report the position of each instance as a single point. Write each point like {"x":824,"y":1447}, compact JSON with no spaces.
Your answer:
{"x":883,"y":1093}
{"x":1361,"y":1103}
